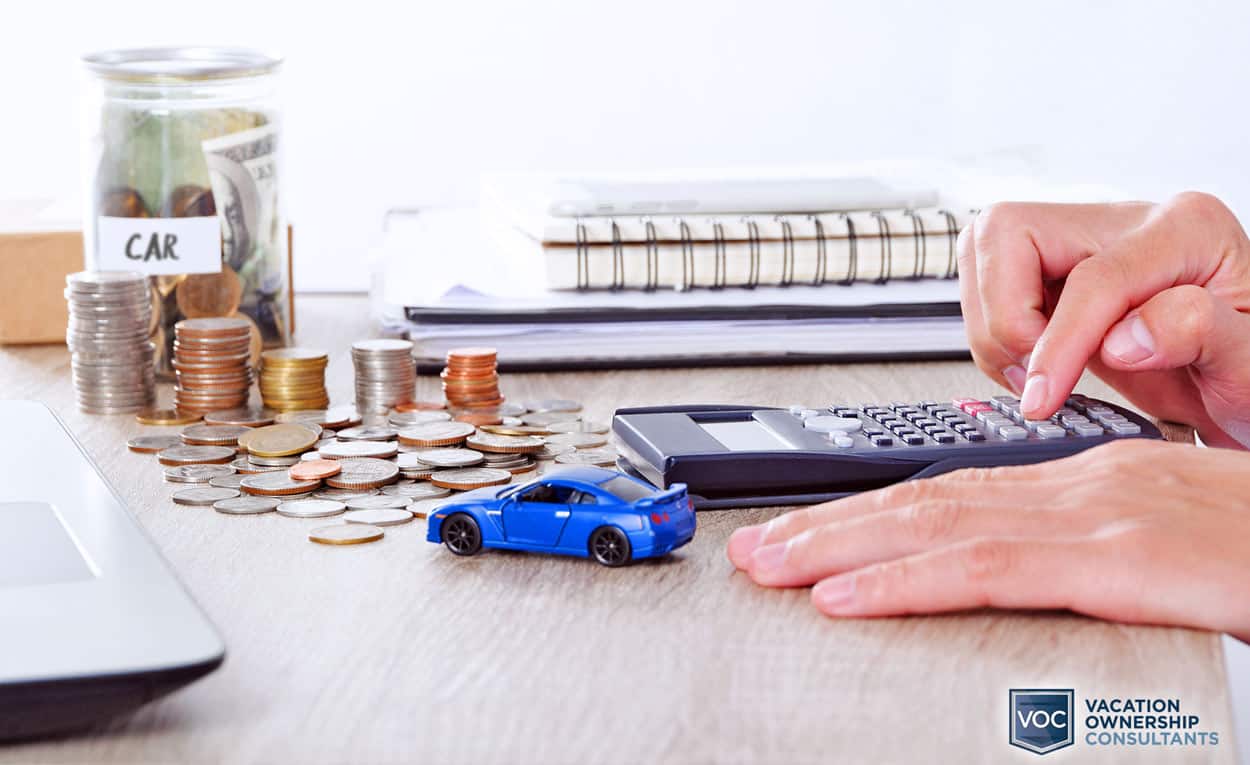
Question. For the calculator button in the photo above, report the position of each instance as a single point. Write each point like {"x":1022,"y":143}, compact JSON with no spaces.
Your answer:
{"x":928,"y":406}
{"x":1073,"y":419}
{"x":977,"y":407}
{"x":944,"y":438}
{"x":1086,"y":429}
{"x":1075,"y":404}
{"x":1013,"y":433}
{"x":830,"y":424}
{"x":963,"y":427}
{"x":1050,"y":430}
{"x":882,"y":441}
{"x":1033,"y":425}
{"x":912,"y":439}
{"x":974,"y":435}
{"x":1125,"y":428}
{"x":1002,"y":402}
{"x":843,"y":442}
{"x":870,"y":432}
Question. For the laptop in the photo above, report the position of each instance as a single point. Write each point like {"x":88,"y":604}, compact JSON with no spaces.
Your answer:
{"x":95,"y":624}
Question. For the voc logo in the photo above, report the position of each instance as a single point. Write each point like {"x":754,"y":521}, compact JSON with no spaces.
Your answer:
{"x":1041,"y":719}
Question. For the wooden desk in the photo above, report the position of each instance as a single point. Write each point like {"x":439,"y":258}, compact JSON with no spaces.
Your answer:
{"x":401,"y":652}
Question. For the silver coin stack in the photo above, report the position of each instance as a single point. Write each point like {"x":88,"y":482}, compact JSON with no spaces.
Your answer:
{"x":110,"y":321}
{"x":385,"y":374}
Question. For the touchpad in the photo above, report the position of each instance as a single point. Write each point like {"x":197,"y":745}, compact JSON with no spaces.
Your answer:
{"x":36,"y":548}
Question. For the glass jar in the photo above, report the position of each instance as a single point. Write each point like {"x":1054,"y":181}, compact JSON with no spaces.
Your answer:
{"x":182,"y":184}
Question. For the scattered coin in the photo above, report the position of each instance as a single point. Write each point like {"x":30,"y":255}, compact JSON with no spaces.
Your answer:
{"x":364,"y":473}
{"x":311,"y":508}
{"x":553,"y":405}
{"x":551,"y":451}
{"x":347,"y":449}
{"x":247,"y":416}
{"x":195,"y":455}
{"x":340,"y":417}
{"x":244,"y":465}
{"x":415,"y":490}
{"x":314,"y":470}
{"x":342,"y":495}
{"x":247,"y":505}
{"x":511,"y":409}
{"x":436,"y":434}
{"x":152,"y":444}
{"x":381,"y":516}
{"x":196,"y":473}
{"x":346,"y":534}
{"x":212,"y":435}
{"x":310,"y":456}
{"x":166,"y":417}
{"x":464,"y":479}
{"x":578,"y":426}
{"x":578,"y":440}
{"x":376,"y":501}
{"x":404,"y":419}
{"x":276,"y":484}
{"x":231,"y":481}
{"x":203,"y":495}
{"x":368,"y":433}
{"x":279,"y":462}
{"x":546,"y":419}
{"x":423,"y":507}
{"x":600,"y":457}
{"x":279,"y":440}
{"x":444,"y":458}
{"x":490,"y":442}
{"x":517,"y":430}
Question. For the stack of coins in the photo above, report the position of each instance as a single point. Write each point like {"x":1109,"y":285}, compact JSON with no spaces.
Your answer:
{"x":294,"y":378}
{"x":110,"y":320}
{"x":385,"y":374}
{"x":471,"y":385}
{"x":212,"y":362}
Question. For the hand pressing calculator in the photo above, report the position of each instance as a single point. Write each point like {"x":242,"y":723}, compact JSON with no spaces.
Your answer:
{"x":750,"y":456}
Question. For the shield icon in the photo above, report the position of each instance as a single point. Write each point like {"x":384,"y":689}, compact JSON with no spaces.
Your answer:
{"x":1041,"y":719}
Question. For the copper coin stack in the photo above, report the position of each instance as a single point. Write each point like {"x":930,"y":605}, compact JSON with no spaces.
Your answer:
{"x":471,"y":385}
{"x":110,"y":317}
{"x":386,"y":375}
{"x":212,"y":364}
{"x":294,"y":378}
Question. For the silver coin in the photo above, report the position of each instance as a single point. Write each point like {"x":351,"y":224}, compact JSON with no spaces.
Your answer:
{"x":577,"y":440}
{"x":493,"y":442}
{"x":346,"y":449}
{"x":470,"y":477}
{"x":376,"y":501}
{"x":276,"y":482}
{"x":578,"y":426}
{"x":191,"y":455}
{"x":310,"y":456}
{"x":311,"y":508}
{"x":551,"y":451}
{"x":404,"y":419}
{"x":360,"y":472}
{"x":546,"y":419}
{"x":383,"y":345}
{"x":381,"y":516}
{"x":220,"y":435}
{"x":437,"y":432}
{"x":203,"y":495}
{"x":553,"y":405}
{"x":196,"y":473}
{"x":510,"y":409}
{"x":340,"y":417}
{"x":415,"y":490}
{"x":511,"y":460}
{"x":600,"y":457}
{"x":259,"y":461}
{"x":152,"y":443}
{"x":342,"y":495}
{"x":231,"y":481}
{"x":368,"y":433}
{"x":442,"y":458}
{"x":247,"y":505}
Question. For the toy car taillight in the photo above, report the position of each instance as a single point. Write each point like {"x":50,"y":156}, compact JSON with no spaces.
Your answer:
{"x":655,"y":518}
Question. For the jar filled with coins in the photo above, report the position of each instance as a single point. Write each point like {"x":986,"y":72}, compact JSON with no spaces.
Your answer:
{"x":183,"y":185}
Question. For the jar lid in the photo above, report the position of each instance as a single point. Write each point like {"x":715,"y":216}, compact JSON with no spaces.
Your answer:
{"x":173,"y":65}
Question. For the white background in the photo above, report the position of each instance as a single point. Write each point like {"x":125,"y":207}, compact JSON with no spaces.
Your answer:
{"x":399,"y":104}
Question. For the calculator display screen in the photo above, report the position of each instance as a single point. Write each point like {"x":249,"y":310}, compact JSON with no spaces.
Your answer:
{"x":745,"y":436}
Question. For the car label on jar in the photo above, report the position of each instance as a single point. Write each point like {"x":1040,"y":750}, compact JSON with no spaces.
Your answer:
{"x":158,"y":245}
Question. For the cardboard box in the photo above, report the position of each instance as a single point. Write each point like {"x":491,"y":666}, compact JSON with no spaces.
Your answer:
{"x":39,"y":246}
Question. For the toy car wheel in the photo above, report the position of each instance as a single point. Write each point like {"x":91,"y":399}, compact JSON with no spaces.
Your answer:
{"x":610,"y":547}
{"x":461,"y":535}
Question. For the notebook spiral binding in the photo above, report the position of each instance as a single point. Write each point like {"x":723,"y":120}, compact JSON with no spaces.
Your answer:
{"x":885,"y":260}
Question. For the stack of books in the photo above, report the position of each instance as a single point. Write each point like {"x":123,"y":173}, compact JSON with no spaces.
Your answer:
{"x":601,"y":275}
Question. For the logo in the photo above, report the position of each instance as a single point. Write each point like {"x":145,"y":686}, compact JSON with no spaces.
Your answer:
{"x":1041,"y":719}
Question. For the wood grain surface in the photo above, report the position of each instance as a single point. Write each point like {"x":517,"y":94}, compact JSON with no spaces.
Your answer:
{"x":400,"y":652}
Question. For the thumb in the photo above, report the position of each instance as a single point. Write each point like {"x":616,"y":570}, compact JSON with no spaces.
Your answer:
{"x":1179,"y":327}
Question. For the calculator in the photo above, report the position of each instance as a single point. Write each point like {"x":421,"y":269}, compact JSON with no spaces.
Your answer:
{"x":751,"y":456}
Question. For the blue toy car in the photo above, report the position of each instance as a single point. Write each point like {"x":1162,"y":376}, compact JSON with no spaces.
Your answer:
{"x":585,"y":511}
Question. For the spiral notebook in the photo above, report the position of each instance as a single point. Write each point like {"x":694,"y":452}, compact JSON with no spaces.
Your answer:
{"x":715,"y":251}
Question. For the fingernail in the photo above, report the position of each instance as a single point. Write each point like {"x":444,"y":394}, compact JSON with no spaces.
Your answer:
{"x":1034,"y":396}
{"x":744,"y":541}
{"x":768,"y":557}
{"x":835,"y":593}
{"x":1015,"y":375}
{"x":1130,"y":341}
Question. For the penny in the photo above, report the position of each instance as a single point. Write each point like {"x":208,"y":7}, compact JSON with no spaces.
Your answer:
{"x":195,"y":455}
{"x":196,"y":473}
{"x":445,"y":458}
{"x":276,"y":483}
{"x":311,"y":508}
{"x":213,"y":435}
{"x":419,"y":406}
{"x":346,"y":534}
{"x":376,"y":501}
{"x":347,"y":449}
{"x":166,"y":417}
{"x":435,"y":434}
{"x":490,"y":442}
{"x":249,"y":416}
{"x":470,"y":478}
{"x":364,"y":473}
{"x":314,"y":470}
{"x":247,"y":505}
{"x":152,"y":444}
{"x":381,"y":516}
{"x":231,"y":481}
{"x":280,"y":440}
{"x":213,"y":294}
{"x":600,"y":457}
{"x":553,"y":405}
{"x":205,"y":495}
{"x":415,"y":490}
{"x":577,"y":440}
{"x":367,"y":433}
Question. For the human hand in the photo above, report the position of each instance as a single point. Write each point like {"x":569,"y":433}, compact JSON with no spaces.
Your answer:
{"x":1154,"y":298}
{"x":1151,"y":533}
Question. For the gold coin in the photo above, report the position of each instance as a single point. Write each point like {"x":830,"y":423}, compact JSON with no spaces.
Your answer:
{"x":346,"y":534}
{"x":204,"y":295}
{"x":280,"y":440}
{"x":166,"y":417}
